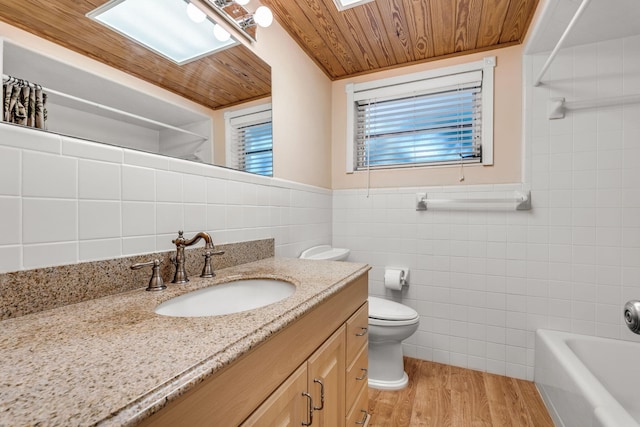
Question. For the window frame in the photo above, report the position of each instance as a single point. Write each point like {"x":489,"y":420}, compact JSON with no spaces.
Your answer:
{"x":244,"y":117}
{"x":397,"y":87}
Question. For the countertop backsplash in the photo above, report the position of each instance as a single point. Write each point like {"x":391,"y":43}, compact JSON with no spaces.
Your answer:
{"x":31,"y":291}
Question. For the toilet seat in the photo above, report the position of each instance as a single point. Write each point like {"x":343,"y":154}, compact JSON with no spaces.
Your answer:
{"x":383,"y":312}
{"x":391,"y":323}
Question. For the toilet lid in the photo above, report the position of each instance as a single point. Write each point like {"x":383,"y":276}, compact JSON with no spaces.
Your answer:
{"x":388,"y":310}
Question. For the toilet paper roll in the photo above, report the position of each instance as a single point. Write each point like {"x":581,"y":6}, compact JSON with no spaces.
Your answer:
{"x":393,"y":279}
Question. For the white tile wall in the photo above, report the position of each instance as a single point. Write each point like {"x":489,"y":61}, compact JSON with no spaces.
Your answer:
{"x":49,"y":220}
{"x":99,"y":180}
{"x":11,"y":214}
{"x":484,"y":281}
{"x":49,"y":175}
{"x":34,"y":256}
{"x":9,"y":169}
{"x":138,"y":183}
{"x":168,"y":187}
{"x":98,"y":219}
{"x":66,"y":200}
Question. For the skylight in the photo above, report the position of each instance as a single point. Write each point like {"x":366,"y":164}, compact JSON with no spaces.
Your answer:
{"x":348,"y":4}
{"x":162,"y":26}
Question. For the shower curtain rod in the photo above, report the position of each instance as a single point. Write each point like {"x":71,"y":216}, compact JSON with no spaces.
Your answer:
{"x":555,"y":50}
{"x":6,"y":77}
{"x":557,"y":107}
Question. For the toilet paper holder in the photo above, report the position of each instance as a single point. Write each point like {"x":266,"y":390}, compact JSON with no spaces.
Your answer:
{"x":403,"y":277}
{"x":396,"y":278}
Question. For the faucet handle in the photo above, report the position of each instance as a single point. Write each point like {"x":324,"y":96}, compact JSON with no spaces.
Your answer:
{"x":180,"y":240}
{"x":155,"y":283}
{"x":207,"y":270}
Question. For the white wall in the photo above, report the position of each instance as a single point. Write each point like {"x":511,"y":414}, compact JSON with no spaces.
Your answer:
{"x":301,"y":101}
{"x":65,"y":201}
{"x":484,"y":281}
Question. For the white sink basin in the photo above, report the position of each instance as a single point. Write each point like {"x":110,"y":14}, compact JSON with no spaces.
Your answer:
{"x":232,"y":297}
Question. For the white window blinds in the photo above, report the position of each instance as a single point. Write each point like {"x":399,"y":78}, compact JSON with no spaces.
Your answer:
{"x":251,"y":143}
{"x":434,"y":121}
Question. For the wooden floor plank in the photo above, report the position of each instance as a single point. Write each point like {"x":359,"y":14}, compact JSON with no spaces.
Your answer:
{"x":480,"y":412}
{"x":494,"y":387}
{"x":460,"y":398}
{"x":432,"y":403}
{"x":404,"y":406}
{"x":446,"y":396}
{"x":535,"y":406}
{"x":516,"y":405}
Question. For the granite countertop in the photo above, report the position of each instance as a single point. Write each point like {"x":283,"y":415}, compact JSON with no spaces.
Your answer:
{"x":113,"y":361}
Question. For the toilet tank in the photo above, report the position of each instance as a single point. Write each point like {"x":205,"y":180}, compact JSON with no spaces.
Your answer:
{"x":326,"y":252}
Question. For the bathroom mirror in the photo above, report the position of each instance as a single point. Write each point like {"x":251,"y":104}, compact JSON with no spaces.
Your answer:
{"x":229,"y":78}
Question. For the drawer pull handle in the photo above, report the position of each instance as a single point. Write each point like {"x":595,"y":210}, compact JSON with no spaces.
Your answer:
{"x":364,"y":418}
{"x":308,"y":396}
{"x":321,"y":407}
{"x":364,"y":374}
{"x":363,"y":333}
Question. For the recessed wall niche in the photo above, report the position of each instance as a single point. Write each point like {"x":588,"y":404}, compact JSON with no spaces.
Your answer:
{"x":89,"y":106}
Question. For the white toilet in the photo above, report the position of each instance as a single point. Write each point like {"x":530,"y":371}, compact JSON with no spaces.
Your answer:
{"x":389,"y":324}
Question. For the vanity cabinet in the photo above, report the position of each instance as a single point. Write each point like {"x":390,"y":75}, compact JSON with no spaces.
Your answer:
{"x":313,"y":395}
{"x":265,"y":385}
{"x":336,"y":384}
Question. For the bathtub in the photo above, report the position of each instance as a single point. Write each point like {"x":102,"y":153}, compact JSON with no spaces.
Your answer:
{"x":588,"y":381}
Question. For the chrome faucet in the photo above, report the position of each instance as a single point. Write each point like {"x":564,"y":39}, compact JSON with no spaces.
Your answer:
{"x":179,"y":261}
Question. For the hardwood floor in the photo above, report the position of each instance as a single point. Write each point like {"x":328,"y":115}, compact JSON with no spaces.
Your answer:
{"x":446,"y":396}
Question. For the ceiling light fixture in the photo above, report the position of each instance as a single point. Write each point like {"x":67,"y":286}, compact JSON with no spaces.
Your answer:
{"x":263,"y":16}
{"x":163,"y":27}
{"x":195,"y":14}
{"x":236,"y":13}
{"x":220,"y":33}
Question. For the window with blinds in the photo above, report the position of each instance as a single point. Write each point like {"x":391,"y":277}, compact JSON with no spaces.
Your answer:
{"x":433,"y":128}
{"x":250,"y":143}
{"x":438,"y":117}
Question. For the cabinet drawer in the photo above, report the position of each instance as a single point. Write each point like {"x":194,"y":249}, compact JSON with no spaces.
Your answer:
{"x":357,"y":376}
{"x":357,"y":332}
{"x":358,"y":416}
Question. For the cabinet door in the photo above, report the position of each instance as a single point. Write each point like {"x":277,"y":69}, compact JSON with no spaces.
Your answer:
{"x":326,"y":375}
{"x":287,"y":406}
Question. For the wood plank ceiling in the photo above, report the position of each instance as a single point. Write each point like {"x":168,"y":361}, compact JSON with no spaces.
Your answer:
{"x":377,"y":35}
{"x":229,"y":77}
{"x":390,"y":33}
